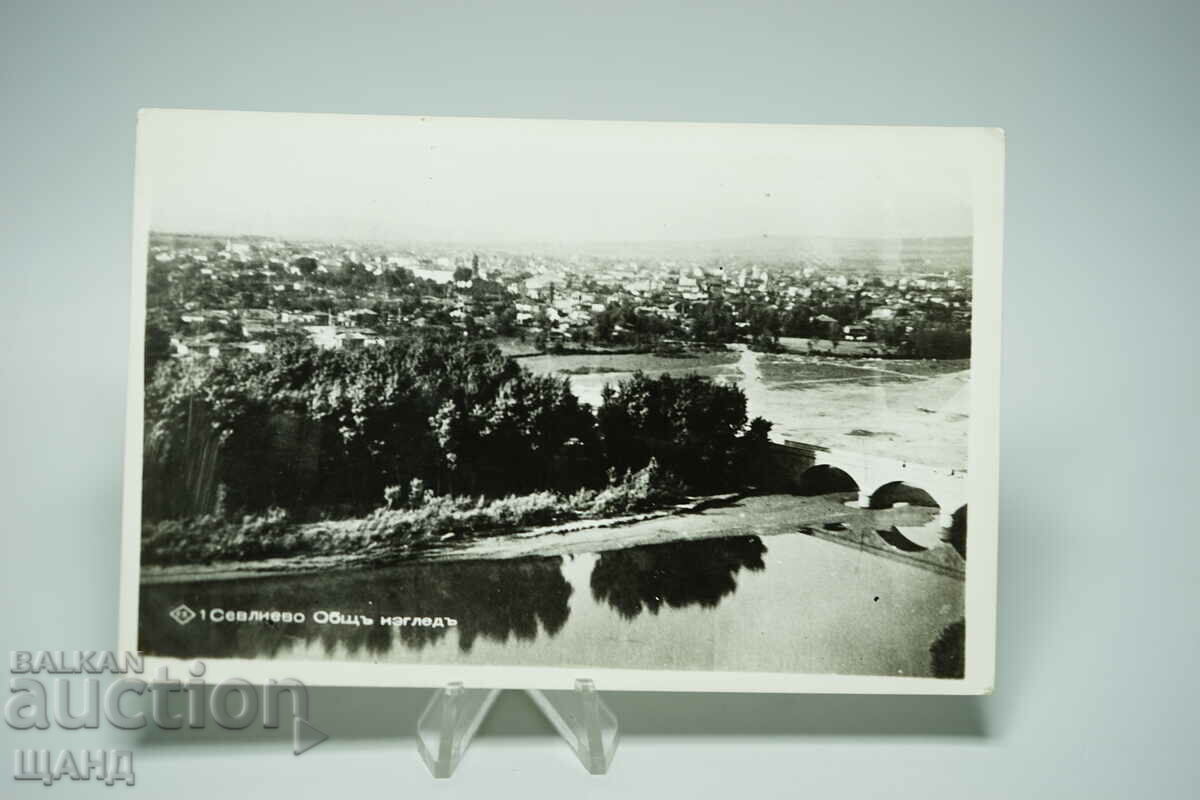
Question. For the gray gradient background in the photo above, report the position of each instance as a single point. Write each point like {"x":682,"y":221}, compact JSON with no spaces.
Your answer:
{"x":1098,"y":650}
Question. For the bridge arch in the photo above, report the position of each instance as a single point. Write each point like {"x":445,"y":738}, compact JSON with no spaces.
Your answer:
{"x":826,"y":479}
{"x":894,"y":480}
{"x":894,"y":492}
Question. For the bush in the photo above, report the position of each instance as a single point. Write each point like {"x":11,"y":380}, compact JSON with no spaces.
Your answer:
{"x":436,"y":516}
{"x":209,"y":537}
{"x":439,"y":515}
{"x":649,"y":487}
{"x":260,"y":526}
{"x":415,"y":515}
{"x":393,"y":497}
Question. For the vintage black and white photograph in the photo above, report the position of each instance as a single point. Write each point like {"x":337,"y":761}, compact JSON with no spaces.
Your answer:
{"x":671,"y":406}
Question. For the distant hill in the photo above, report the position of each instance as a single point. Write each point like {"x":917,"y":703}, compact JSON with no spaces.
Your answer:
{"x":942,"y":253}
{"x":933,"y":254}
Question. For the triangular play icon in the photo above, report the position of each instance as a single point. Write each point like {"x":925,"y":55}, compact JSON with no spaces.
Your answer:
{"x":304,"y":736}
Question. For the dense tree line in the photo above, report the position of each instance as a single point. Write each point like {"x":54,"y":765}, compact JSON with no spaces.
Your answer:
{"x":694,"y":427}
{"x":925,"y":339}
{"x":308,"y":429}
{"x":623,"y":322}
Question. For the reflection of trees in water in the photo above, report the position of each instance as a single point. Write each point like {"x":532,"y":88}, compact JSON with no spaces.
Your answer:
{"x":958,"y":531}
{"x":493,"y":599}
{"x":678,"y":574}
{"x":947,"y":654}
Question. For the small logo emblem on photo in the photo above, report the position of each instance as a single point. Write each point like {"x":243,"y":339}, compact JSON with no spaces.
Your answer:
{"x":182,"y":614}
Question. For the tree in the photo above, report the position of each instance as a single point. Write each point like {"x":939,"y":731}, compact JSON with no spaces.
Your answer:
{"x":938,"y":341}
{"x":306,"y":264}
{"x":691,"y":425}
{"x":157,"y":343}
{"x":158,"y":285}
{"x":948,"y":651}
{"x":304,"y":429}
{"x":754,"y":452}
{"x":506,"y":320}
{"x":833,"y":331}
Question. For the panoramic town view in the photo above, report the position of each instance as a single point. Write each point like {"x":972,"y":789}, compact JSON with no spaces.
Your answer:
{"x":629,"y":456}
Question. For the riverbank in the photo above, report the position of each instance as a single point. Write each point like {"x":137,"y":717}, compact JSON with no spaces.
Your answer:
{"x":355,"y":543}
{"x":826,"y":517}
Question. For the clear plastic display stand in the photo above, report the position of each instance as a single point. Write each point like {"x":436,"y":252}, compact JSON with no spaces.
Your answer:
{"x":454,"y":713}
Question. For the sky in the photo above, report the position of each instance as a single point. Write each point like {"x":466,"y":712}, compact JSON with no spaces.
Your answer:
{"x":472,"y":180}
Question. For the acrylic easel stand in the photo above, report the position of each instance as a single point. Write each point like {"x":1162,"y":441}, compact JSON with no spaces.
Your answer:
{"x":454,"y":713}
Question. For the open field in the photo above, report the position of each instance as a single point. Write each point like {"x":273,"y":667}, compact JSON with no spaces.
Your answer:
{"x":797,"y":344}
{"x":788,"y":371}
{"x":513,"y":347}
{"x":590,"y":372}
{"x":923,"y":368}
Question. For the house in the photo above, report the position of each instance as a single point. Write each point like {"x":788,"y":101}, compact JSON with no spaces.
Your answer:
{"x":253,"y":330}
{"x":856,"y":333}
{"x":357,"y":316}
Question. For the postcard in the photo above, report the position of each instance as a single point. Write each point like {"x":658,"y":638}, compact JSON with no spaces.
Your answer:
{"x":513,"y":402}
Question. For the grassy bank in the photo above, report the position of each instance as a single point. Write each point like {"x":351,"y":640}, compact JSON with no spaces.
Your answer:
{"x":421,"y":518}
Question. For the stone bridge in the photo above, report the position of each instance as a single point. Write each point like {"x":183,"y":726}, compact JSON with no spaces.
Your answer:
{"x":880,"y":481}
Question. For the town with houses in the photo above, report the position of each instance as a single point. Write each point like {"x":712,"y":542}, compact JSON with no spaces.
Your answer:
{"x":214,"y":297}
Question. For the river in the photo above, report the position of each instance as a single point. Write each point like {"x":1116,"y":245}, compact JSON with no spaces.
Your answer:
{"x":908,"y":410}
{"x":779,"y":602}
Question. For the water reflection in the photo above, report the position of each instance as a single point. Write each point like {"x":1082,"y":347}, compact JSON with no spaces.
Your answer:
{"x":588,"y":610}
{"x":491,"y":599}
{"x":678,"y":574}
